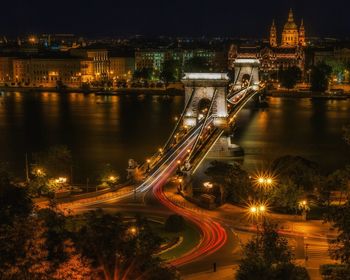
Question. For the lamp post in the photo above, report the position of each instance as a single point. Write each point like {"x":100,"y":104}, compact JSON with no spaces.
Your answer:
{"x":208,"y":185}
{"x":180,"y":185}
{"x":257,"y":211}
{"x":304,"y":207}
{"x":148,"y":165}
{"x":178,"y":166}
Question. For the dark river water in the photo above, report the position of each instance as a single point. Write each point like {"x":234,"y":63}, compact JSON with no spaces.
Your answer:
{"x":100,"y":130}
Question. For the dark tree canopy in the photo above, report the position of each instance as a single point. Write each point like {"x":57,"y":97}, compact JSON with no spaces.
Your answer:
{"x":290,"y":76}
{"x":320,"y":75}
{"x":197,"y":64}
{"x":267,"y":256}
{"x":14,"y":200}
{"x":234,"y":180}
{"x":302,"y":172}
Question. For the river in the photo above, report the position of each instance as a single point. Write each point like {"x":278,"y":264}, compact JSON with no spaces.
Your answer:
{"x":100,"y":130}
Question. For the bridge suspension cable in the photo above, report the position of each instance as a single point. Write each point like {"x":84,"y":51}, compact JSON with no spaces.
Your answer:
{"x":179,"y":121}
{"x":204,"y":124}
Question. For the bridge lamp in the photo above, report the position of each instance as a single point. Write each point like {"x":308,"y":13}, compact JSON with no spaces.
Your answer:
{"x":160,"y":150}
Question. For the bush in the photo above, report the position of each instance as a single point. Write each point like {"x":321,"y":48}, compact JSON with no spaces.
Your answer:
{"x":175,"y":223}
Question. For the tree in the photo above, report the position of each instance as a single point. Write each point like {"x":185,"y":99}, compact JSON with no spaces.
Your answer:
{"x":14,"y":200}
{"x":267,"y":256}
{"x":286,"y":195}
{"x":320,"y":75}
{"x":290,"y":77}
{"x":339,"y":180}
{"x":174,"y":223}
{"x":75,"y":267}
{"x":171,"y":71}
{"x":108,"y":177}
{"x":57,"y":161}
{"x":302,"y":172}
{"x":339,"y":248}
{"x":235,"y":182}
{"x":23,"y":254}
{"x":143,"y":74}
{"x":197,"y":64}
{"x":335,"y":272}
{"x":123,"y":251}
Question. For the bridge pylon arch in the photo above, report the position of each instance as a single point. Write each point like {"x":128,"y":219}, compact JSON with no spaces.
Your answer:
{"x":205,"y":86}
{"x":246,"y":67}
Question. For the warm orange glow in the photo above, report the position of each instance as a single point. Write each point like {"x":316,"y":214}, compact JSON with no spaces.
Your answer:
{"x":264,"y":180}
{"x":208,"y":185}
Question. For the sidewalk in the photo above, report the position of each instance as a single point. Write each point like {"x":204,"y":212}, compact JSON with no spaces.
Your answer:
{"x":222,"y":273}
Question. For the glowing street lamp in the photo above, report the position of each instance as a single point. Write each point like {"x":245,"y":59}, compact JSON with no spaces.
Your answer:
{"x":208,"y":185}
{"x":256,"y":211}
{"x":133,"y":231}
{"x":148,"y":164}
{"x":61,"y":180}
{"x":112,"y":179}
{"x":304,"y":207}
{"x":39,"y":172}
{"x":180,"y":183}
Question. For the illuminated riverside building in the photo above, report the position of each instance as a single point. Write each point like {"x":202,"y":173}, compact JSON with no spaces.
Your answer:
{"x":6,"y":70}
{"x":154,"y":58}
{"x":121,"y":68}
{"x":96,"y":63}
{"x":46,"y":72}
{"x":274,"y":57}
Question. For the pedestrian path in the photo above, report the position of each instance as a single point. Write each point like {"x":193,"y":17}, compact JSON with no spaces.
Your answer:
{"x":222,"y":273}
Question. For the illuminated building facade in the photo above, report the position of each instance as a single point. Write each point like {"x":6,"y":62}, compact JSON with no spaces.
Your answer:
{"x":292,"y":36}
{"x":274,"y":57}
{"x":46,"y":72}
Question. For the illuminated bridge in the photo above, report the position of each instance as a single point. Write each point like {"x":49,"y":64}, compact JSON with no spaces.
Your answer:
{"x":210,"y":109}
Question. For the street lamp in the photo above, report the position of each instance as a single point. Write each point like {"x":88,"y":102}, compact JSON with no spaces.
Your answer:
{"x":208,"y":185}
{"x":61,"y":180}
{"x":178,"y":166}
{"x":112,"y":179}
{"x":39,"y":172}
{"x":257,"y":210}
{"x":148,"y":165}
{"x":133,"y":231}
{"x":304,"y":207}
{"x":180,"y":184}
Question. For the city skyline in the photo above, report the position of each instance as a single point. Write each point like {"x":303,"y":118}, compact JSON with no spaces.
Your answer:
{"x":197,"y":18}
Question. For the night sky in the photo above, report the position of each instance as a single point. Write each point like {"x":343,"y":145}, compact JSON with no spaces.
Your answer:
{"x":244,"y":18}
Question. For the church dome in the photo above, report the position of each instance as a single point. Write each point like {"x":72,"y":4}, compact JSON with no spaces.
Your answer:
{"x":290,"y":25}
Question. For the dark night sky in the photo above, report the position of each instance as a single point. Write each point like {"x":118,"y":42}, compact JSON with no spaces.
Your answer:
{"x":248,"y":18}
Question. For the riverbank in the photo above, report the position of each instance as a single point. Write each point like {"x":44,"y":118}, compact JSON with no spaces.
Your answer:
{"x":98,"y":91}
{"x":306,"y":94}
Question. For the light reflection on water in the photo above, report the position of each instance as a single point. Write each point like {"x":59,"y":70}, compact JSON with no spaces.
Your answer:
{"x":112,"y":129}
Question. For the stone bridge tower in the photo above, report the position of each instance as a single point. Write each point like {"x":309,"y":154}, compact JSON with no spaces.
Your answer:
{"x":205,"y":87}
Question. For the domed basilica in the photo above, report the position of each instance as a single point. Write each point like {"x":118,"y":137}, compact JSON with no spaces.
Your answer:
{"x":292,"y":36}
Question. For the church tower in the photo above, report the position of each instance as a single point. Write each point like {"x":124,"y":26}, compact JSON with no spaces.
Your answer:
{"x":302,"y":41}
{"x":273,"y":35}
{"x":290,"y":35}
